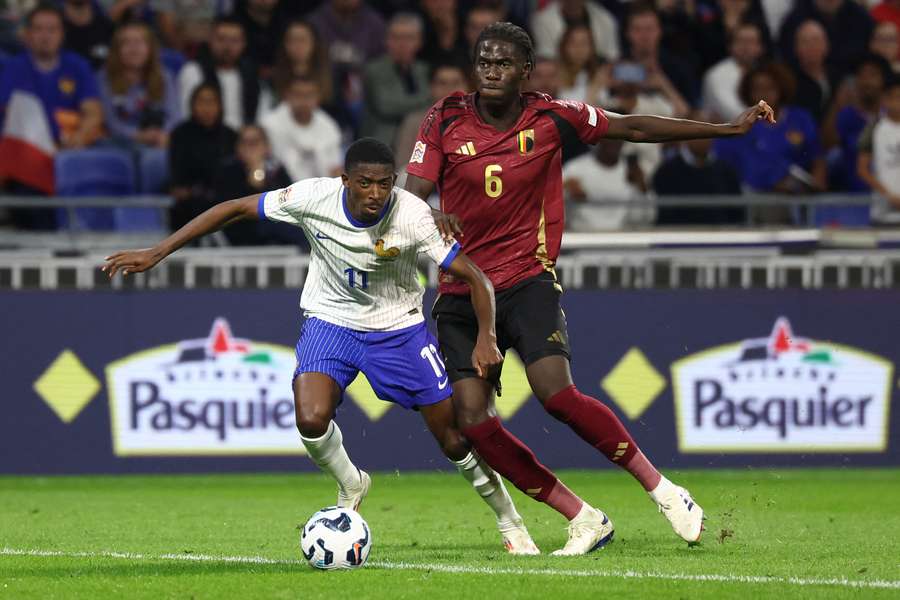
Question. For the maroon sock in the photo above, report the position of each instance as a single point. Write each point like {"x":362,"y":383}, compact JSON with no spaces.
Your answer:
{"x":514,"y":460}
{"x":599,"y":426}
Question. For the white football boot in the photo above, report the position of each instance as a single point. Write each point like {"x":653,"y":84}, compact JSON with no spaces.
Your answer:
{"x":590,"y":530}
{"x":683,"y":513}
{"x":353,"y":497}
{"x":517,"y":539}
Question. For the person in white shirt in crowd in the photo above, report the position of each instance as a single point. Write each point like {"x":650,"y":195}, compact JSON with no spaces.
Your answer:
{"x":879,"y":156}
{"x":580,"y":67}
{"x":304,"y":138}
{"x":549,"y":24}
{"x":221,"y":64}
{"x":720,"y":84}
{"x":604,"y":175}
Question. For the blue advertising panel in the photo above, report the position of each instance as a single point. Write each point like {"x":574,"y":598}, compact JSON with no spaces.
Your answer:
{"x":185,"y":381}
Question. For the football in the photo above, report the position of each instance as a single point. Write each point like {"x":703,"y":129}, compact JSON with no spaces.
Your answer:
{"x":336,"y":538}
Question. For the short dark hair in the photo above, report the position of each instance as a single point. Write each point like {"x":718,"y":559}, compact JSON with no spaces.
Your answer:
{"x":228,"y":20}
{"x":436,"y":67}
{"x":507,"y":32}
{"x":368,"y":151}
{"x":43,"y":7}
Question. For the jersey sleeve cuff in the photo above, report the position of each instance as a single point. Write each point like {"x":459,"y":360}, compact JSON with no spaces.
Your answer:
{"x":451,"y":256}
{"x":261,"y":206}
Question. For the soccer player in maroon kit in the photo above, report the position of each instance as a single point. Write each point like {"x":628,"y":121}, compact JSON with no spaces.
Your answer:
{"x":495,"y":156}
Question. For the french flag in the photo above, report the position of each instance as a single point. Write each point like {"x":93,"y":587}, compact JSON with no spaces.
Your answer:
{"x":26,"y":143}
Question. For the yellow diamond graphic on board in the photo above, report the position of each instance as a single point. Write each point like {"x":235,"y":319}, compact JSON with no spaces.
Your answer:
{"x":67,"y":386}
{"x":633,"y":384}
{"x":364,"y":397}
{"x":515,"y":386}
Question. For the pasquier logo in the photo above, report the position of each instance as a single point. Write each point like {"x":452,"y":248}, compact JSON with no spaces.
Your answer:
{"x":782,"y":394}
{"x":213,"y":395}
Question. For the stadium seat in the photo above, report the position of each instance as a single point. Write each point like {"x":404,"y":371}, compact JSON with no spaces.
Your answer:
{"x":153,"y":177}
{"x":93,"y":172}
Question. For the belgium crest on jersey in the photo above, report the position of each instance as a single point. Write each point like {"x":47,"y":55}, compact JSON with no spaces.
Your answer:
{"x":525,"y":141}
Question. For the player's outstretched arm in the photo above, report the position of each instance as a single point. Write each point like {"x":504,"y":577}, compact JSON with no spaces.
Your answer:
{"x":647,"y":128}
{"x":137,"y":261}
{"x":449,"y":225}
{"x":486,"y":356}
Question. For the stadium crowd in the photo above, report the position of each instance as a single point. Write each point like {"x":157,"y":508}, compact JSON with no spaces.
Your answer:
{"x":213,"y":99}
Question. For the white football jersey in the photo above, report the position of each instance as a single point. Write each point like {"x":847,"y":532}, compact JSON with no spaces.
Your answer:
{"x":361,"y":276}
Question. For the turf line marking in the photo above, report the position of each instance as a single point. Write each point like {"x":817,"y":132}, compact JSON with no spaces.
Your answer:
{"x":475,"y":570}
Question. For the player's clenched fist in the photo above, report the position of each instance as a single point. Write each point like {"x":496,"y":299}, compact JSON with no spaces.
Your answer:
{"x":131,"y":261}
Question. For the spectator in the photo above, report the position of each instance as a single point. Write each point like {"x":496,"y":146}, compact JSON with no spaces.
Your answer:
{"x":695,"y":171}
{"x":443,"y":39}
{"x":264,"y":22}
{"x":54,"y":92}
{"x":858,"y":107}
{"x":185,"y":25}
{"x":396,"y":83}
{"x":599,"y":176}
{"x":197,"y":149}
{"x":253,"y":170}
{"x":783,"y":157}
{"x":551,"y":22}
{"x":301,"y":54}
{"x":582,"y":77}
{"x":847,"y":26}
{"x":354,"y":33}
{"x":126,"y":11}
{"x":88,"y":30}
{"x":222,"y":64}
{"x":886,"y":43}
{"x":718,"y":24}
{"x":816,"y":81}
{"x":445,"y":79}
{"x":887,"y":11}
{"x":546,"y":77}
{"x":304,"y":138}
{"x":643,"y":32}
{"x":140,"y":102}
{"x":720,"y":84}
{"x":879,"y":156}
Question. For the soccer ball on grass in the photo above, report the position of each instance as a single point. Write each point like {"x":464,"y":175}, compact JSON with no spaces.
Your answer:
{"x":336,"y":538}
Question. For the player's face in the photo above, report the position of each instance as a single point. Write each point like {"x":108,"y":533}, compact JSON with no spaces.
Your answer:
{"x":500,"y":70}
{"x":368,"y":188}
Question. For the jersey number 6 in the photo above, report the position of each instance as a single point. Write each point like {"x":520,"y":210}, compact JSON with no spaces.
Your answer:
{"x":493,"y":185}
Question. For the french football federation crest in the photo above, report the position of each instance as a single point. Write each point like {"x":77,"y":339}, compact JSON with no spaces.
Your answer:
{"x":67,"y":86}
{"x":525,"y":141}
{"x":386,"y":253}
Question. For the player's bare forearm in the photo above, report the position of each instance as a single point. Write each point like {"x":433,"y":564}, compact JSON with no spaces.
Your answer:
{"x":486,"y":355}
{"x":648,"y":128}
{"x":137,"y":261}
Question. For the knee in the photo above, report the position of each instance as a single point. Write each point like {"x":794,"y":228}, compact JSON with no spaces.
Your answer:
{"x":454,"y":445}
{"x":312,"y":424}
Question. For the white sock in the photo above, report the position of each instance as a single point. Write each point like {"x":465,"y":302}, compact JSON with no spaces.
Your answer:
{"x":328,"y":452}
{"x":662,"y":489}
{"x":490,"y":487}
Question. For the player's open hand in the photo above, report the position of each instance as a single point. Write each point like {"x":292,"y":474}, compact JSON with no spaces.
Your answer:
{"x":449,"y":225}
{"x":486,"y":357}
{"x":131,"y":261}
{"x":760,"y":111}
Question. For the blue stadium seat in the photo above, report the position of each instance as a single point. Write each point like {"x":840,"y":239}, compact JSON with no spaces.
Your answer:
{"x":153,"y":178}
{"x":93,"y":172}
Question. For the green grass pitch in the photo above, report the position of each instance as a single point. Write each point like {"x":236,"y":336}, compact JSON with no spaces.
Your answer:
{"x":784,"y":533}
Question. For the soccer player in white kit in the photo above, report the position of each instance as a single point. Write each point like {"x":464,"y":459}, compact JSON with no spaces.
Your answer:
{"x":363,"y":306}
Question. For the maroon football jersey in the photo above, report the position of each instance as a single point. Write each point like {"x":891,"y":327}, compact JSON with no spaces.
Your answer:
{"x":505,"y":186}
